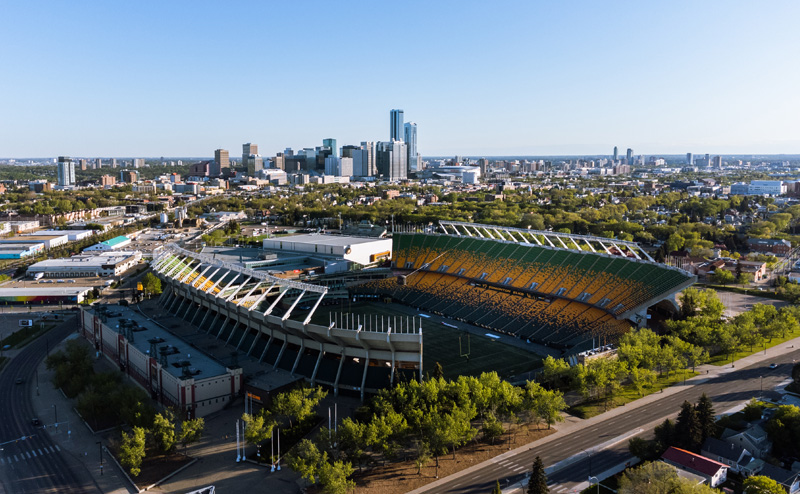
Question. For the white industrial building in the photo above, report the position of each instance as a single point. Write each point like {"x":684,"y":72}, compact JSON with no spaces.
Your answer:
{"x":364,"y":251}
{"x":72,"y":235}
{"x":49,"y":241}
{"x":83,"y":265}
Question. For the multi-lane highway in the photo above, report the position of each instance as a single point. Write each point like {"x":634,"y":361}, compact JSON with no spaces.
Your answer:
{"x":726,"y":390}
{"x":34,"y":464}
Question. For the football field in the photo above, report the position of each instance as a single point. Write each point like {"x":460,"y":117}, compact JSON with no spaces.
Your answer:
{"x":457,"y":350}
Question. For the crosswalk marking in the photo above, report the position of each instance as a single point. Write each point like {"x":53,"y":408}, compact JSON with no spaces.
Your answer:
{"x":27,"y":455}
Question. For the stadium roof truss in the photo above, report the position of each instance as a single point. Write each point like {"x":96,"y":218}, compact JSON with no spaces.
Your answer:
{"x":556,"y":240}
{"x":192,"y":262}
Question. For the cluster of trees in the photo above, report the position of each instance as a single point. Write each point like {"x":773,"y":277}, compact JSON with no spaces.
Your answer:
{"x":694,"y":425}
{"x":788,"y":290}
{"x":162,"y":435}
{"x":784,"y":431}
{"x":100,"y":396}
{"x":642,"y":356}
{"x":105,"y":396}
{"x":429,"y":418}
{"x":623,"y":215}
{"x":702,"y":324}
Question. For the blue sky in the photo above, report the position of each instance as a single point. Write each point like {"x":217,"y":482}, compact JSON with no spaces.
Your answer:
{"x":173,"y":78}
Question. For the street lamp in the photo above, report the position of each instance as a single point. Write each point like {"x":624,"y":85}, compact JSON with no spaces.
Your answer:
{"x":761,"y":393}
{"x":598,"y":482}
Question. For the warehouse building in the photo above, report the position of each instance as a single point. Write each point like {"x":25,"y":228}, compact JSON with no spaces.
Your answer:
{"x":19,"y":250}
{"x":172,"y":371}
{"x":43,"y":295}
{"x":72,"y":235}
{"x":104,"y":264}
{"x":49,"y":241}
{"x":116,"y":243}
{"x":364,"y":251}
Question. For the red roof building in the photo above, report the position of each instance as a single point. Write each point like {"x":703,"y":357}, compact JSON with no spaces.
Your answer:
{"x":713,"y":471}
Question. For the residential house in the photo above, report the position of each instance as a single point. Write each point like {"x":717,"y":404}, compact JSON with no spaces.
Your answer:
{"x":735,"y":456}
{"x":788,"y":479}
{"x":754,"y":439}
{"x":714,"y":472}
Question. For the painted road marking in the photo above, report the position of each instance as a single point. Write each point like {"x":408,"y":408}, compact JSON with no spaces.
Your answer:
{"x":28,"y":455}
{"x":33,"y":453}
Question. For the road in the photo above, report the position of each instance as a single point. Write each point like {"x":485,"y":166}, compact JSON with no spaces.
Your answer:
{"x":725,"y":390}
{"x":35,"y":464}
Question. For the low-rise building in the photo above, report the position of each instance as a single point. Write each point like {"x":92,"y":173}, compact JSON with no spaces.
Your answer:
{"x":49,"y":241}
{"x":72,"y":235}
{"x":32,"y":296}
{"x":19,"y":250}
{"x":116,"y":243}
{"x":775,"y":246}
{"x":171,"y":370}
{"x":103,"y":264}
{"x":714,"y":472}
{"x":735,"y":456}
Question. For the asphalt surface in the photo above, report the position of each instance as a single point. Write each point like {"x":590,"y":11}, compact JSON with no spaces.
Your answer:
{"x":34,"y":464}
{"x":725,"y":390}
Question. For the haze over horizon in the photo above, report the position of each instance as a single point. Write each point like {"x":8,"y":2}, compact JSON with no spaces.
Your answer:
{"x":501,"y":79}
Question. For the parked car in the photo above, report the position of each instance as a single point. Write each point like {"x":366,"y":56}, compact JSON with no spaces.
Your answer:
{"x":773,"y":366}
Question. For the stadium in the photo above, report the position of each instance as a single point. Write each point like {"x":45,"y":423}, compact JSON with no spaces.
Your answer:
{"x":481,"y":297}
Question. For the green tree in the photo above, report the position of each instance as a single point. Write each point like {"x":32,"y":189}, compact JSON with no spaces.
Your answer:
{"x":496,"y":489}
{"x":688,"y":431}
{"x":132,"y":450}
{"x":306,"y":459}
{"x":723,"y":276}
{"x":537,"y":483}
{"x":706,"y":417}
{"x":163,"y":431}
{"x":258,"y":428}
{"x":334,"y":477}
{"x":298,"y":404}
{"x":491,"y":427}
{"x":658,"y":478}
{"x":191,"y":432}
{"x":759,"y":484}
{"x":151,"y":284}
{"x":642,"y":378}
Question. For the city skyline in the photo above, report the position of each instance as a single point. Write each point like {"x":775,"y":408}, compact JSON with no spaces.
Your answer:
{"x":515,"y":79}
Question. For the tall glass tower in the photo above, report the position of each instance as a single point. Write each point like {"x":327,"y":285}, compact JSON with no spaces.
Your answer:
{"x":410,"y":136}
{"x":396,"y":125}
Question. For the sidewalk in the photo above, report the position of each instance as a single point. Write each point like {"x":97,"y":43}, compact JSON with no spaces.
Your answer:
{"x":572,"y":424}
{"x":72,"y":434}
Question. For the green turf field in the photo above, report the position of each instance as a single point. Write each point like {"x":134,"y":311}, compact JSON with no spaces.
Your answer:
{"x":441,"y":344}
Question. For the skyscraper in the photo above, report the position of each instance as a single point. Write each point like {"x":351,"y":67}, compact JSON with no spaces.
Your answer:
{"x":391,"y":160}
{"x":66,"y":171}
{"x":331,"y":143}
{"x":396,"y":125}
{"x":410,"y":136}
{"x":616,"y":153}
{"x":689,"y":159}
{"x":251,"y":160}
{"x":222,"y":163}
{"x":629,"y":156}
{"x":364,"y":160}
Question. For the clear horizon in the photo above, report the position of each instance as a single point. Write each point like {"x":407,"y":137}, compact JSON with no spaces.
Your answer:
{"x":513,"y":78}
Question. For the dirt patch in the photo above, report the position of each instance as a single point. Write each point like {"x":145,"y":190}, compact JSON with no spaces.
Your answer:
{"x":402,"y":477}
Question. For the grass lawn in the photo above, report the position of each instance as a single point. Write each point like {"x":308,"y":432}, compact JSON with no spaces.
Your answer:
{"x":446,"y":345}
{"x":627,"y":394}
{"x":720,"y":360}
